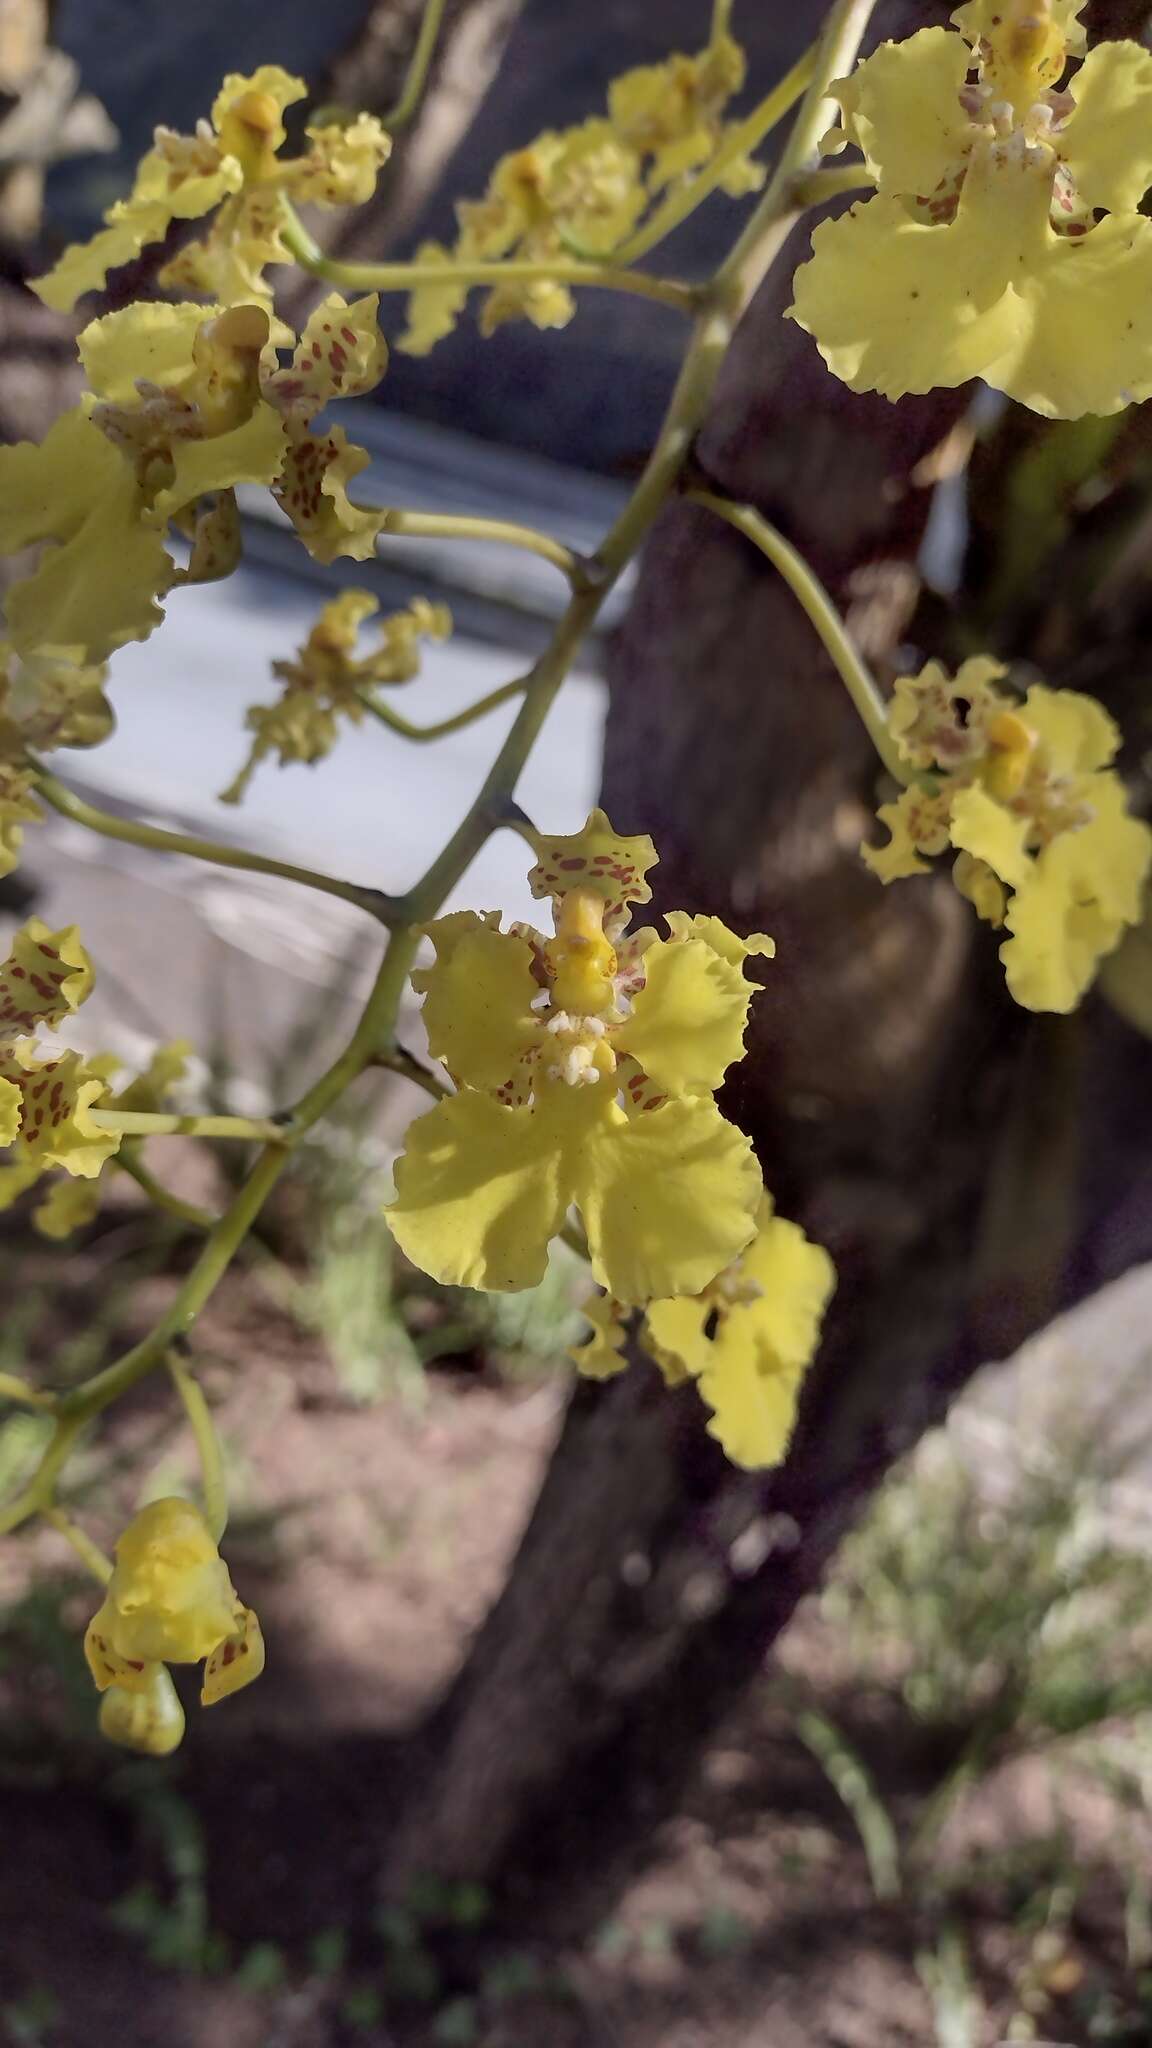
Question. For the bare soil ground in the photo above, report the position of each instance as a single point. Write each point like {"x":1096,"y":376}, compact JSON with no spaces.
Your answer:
{"x":371,"y":1540}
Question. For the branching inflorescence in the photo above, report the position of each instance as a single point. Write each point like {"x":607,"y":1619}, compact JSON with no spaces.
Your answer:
{"x":1007,"y":170}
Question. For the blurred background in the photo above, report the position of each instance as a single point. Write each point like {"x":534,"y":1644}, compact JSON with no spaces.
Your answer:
{"x":571,"y":1736}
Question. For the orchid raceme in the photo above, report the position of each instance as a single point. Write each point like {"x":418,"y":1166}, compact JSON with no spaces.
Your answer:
{"x":582,"y":191}
{"x":1004,"y":240}
{"x":585,"y":1065}
{"x":186,"y":404}
{"x":327,"y":680}
{"x":746,"y":1339}
{"x":169,"y":1601}
{"x":46,"y":1099}
{"x":578,"y":1067}
{"x":1025,"y":795}
{"x":231,"y":168}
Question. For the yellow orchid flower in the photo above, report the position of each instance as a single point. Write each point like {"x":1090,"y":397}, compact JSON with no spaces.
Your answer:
{"x":186,"y":404}
{"x":18,"y":807}
{"x":746,"y":1339}
{"x":149,"y":1720}
{"x":50,"y":698}
{"x":582,"y":190}
{"x":325,"y":681}
{"x":110,"y":475}
{"x":169,"y":1601}
{"x":230,"y":168}
{"x":585,"y":1064}
{"x":69,"y":1205}
{"x":674,"y":112}
{"x":433,"y":309}
{"x":601,"y":1354}
{"x":1004,"y":240}
{"x":46,"y":1102}
{"x":1039,"y":821}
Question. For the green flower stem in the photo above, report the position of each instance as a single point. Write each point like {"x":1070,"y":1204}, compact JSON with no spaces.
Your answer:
{"x":816,"y":187}
{"x":719,"y":309}
{"x":419,"y":66}
{"x":135,"y":833}
{"x":721,"y":17}
{"x":768,"y":229}
{"x":743,"y":136}
{"x":459,"y":526}
{"x":459,"y":719}
{"x":13,"y":1388}
{"x":398,"y":1060}
{"x":724,"y":302}
{"x":147,"y":1123}
{"x":75,"y":1409}
{"x":407,"y":277}
{"x":160,"y":1196}
{"x":213,"y":1482}
{"x":36,"y":1497}
{"x":812,"y":595}
{"x":88,"y":1552}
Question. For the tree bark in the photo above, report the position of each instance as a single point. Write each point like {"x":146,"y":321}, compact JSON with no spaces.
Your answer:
{"x":917,"y":1123}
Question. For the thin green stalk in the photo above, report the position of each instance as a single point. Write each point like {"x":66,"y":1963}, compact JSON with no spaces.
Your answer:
{"x":13,"y":1388}
{"x":855,"y":1787}
{"x":147,"y":1123}
{"x":37,"y":1495}
{"x":419,"y":66}
{"x":815,"y":188}
{"x":398,"y":1060}
{"x":160,"y":1196}
{"x":721,"y":17}
{"x":459,"y":719}
{"x":460,"y":526}
{"x":836,"y":53}
{"x":77,"y":1408}
{"x":213,"y":1482}
{"x":826,"y":620}
{"x":724,"y":302}
{"x":88,"y":1552}
{"x":407,"y":277}
{"x":745,"y":135}
{"x":135,"y":833}
{"x":79,"y":1405}
{"x":375,"y":1029}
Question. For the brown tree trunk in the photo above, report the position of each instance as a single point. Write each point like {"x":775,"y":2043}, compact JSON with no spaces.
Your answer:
{"x":917,"y":1123}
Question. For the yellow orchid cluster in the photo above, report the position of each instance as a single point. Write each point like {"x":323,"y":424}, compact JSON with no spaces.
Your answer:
{"x":1004,"y":240}
{"x":185,"y":404}
{"x":70,"y":1204}
{"x":48,"y":699}
{"x":231,"y":168}
{"x":169,"y":1601}
{"x":1039,"y":820}
{"x":585,"y":1067}
{"x":745,"y":1340}
{"x":47,"y":1097}
{"x":582,"y":191}
{"x":327,"y":681}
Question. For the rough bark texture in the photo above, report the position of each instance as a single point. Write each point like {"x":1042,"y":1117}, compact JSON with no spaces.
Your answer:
{"x":917,"y":1123}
